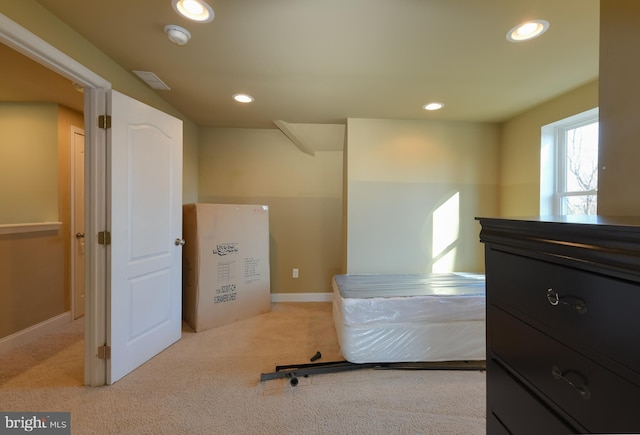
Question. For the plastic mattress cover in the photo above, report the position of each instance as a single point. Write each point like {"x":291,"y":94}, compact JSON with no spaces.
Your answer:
{"x":438,"y":297}
{"x":408,"y":318}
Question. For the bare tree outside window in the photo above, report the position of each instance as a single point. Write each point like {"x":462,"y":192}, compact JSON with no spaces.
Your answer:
{"x":569,"y":165}
{"x":581,"y":183}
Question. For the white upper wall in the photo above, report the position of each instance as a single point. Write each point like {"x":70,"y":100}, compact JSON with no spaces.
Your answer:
{"x":413,"y":191}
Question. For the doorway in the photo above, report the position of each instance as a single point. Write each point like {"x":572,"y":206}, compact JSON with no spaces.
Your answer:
{"x":123,"y":148}
{"x":95,"y":90}
{"x":38,"y":109}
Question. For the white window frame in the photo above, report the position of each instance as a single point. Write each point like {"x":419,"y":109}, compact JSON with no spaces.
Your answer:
{"x":553,"y":161}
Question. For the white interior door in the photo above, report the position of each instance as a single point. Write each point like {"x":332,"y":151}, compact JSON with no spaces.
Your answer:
{"x":77,"y":230}
{"x":144,"y":295}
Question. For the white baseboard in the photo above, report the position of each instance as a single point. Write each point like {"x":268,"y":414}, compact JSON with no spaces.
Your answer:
{"x":32,"y":332}
{"x":302,"y":297}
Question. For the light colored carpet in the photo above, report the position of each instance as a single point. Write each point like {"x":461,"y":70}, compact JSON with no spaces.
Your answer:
{"x":209,"y":383}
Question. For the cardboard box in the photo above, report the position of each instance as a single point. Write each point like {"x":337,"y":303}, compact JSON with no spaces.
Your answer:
{"x":225,"y":263}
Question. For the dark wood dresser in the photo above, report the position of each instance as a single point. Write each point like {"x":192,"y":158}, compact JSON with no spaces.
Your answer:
{"x":563,"y":325}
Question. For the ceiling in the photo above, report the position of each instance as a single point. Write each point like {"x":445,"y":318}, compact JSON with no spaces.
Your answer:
{"x":321,"y":62}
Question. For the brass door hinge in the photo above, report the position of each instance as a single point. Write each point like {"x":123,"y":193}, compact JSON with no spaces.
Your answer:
{"x":104,"y":121}
{"x":104,"y":238}
{"x":104,"y":352}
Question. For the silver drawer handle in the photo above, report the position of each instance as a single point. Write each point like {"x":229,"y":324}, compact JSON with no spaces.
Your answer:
{"x":576,"y":303}
{"x":580,"y":388}
{"x":553,"y":297}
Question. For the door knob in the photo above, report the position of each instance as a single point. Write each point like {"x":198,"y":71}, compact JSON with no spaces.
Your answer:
{"x":180,"y":242}
{"x":79,"y":235}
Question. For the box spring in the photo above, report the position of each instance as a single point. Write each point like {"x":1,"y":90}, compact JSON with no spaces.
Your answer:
{"x":410,"y":318}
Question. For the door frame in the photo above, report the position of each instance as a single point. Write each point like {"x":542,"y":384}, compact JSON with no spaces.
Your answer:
{"x":73,"y":239}
{"x":96,"y":91}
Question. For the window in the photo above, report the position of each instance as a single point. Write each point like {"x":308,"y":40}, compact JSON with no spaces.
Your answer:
{"x":569,"y":166}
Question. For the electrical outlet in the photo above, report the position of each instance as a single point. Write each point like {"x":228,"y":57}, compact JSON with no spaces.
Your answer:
{"x":295,"y":273}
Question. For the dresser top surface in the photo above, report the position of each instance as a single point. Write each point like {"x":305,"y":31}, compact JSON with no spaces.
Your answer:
{"x":609,"y":245}
{"x":602,"y":221}
{"x":566,"y":227}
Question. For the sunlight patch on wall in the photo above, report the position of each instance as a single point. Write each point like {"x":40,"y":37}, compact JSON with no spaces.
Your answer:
{"x":446,"y":228}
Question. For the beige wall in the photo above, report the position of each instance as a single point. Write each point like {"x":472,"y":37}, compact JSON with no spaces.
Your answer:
{"x":303,"y":192}
{"x":28,"y":163}
{"x":396,"y":173}
{"x":618,"y":177}
{"x":519,"y":169}
{"x":31,"y":280}
{"x":402,"y":176}
{"x":190,"y":165}
{"x":34,"y":267}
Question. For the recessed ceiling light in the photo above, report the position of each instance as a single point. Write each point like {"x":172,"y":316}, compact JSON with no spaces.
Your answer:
{"x":195,"y":10}
{"x":433,"y":106}
{"x":243,"y":98}
{"x":528,"y":30}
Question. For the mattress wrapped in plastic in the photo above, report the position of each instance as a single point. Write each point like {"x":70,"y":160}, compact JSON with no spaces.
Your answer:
{"x":410,"y":318}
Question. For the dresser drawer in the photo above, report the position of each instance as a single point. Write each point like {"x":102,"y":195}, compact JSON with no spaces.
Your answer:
{"x":602,"y":401}
{"x":495,"y":426}
{"x":514,"y":407}
{"x":578,"y":307}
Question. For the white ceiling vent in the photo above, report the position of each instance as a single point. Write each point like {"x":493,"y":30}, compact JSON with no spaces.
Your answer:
{"x":152,"y":80}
